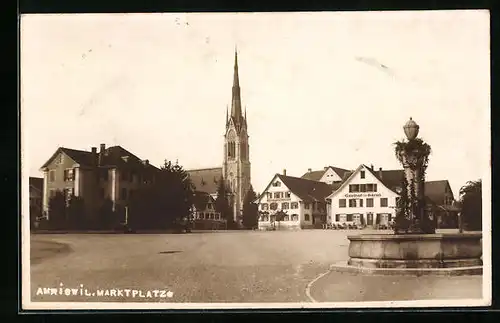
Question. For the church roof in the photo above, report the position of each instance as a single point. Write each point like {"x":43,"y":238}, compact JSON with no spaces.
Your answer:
{"x":206,"y":179}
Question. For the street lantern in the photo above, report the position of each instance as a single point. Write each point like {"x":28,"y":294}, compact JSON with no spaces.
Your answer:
{"x":411,"y":129}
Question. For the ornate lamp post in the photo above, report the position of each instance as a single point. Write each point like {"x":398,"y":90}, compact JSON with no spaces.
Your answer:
{"x":413,"y":154}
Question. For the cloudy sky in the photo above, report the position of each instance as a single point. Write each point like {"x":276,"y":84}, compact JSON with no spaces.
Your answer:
{"x":320,"y":88}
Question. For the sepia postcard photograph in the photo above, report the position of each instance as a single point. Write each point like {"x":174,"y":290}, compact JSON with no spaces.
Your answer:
{"x":255,"y":160}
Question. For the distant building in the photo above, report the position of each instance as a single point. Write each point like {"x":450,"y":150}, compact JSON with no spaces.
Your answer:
{"x":302,"y":201}
{"x":329,"y":174}
{"x":36,"y":195}
{"x":112,"y":173}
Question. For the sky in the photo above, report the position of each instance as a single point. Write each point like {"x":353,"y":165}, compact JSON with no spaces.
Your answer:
{"x":319,"y":88}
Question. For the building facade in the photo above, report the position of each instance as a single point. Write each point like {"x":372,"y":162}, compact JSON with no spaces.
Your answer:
{"x":112,"y":173}
{"x":366,"y":197}
{"x":292,"y":203}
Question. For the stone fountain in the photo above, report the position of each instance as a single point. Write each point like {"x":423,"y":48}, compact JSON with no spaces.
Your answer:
{"x":414,"y":248}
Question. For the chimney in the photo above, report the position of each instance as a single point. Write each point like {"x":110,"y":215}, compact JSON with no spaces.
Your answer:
{"x":309,"y":170}
{"x":325,"y":168}
{"x":380,"y":172}
{"x":145,"y":162}
{"x":101,"y":153}
{"x":284,"y":172}
{"x":94,"y":155}
{"x":371,"y":166}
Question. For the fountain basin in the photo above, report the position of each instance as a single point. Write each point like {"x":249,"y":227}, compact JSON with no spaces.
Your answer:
{"x":413,"y":251}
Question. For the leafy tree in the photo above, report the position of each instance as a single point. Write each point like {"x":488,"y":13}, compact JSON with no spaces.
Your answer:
{"x":177,"y":191}
{"x":250,"y":210}
{"x":222,"y":204}
{"x":106,"y":215}
{"x":471,"y":201}
{"x":161,"y":204}
{"x":76,"y":213}
{"x":57,"y":211}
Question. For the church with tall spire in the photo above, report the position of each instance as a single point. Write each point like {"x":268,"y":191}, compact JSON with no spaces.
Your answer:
{"x":235,"y":170}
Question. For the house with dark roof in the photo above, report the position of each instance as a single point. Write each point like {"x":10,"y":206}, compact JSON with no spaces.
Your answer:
{"x":300,"y":201}
{"x":370,"y":196}
{"x":204,"y":215}
{"x":329,"y":174}
{"x":111,"y":172}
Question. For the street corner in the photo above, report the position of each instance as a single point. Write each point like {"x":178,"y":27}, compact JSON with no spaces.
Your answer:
{"x":348,"y":286}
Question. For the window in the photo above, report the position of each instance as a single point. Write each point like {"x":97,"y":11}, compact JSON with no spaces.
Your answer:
{"x":374,"y":187}
{"x":352,"y":203}
{"x":210,"y":206}
{"x":306,"y":206}
{"x":383,"y":201}
{"x":52,"y":176}
{"x":264,"y":206}
{"x":212,"y":216}
{"x":124,"y":194}
{"x":306,"y":217}
{"x":337,"y":217}
{"x":285,"y":206}
{"x":349,"y":217}
{"x":273,"y":206}
{"x":277,"y":184}
{"x":269,"y":195}
{"x":287,"y":194}
{"x":361,"y":203}
{"x":353,"y":188}
{"x":295,"y":217}
{"x":362,"y":173}
{"x":286,"y":218}
{"x":362,"y":188}
{"x":277,"y":195}
{"x":369,"y":202}
{"x":68,"y":174}
{"x":294,"y":205}
{"x":342,"y":203}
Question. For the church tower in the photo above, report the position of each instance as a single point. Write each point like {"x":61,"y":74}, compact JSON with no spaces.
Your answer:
{"x":236,"y":165}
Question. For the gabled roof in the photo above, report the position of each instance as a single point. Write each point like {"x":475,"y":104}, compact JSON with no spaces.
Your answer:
{"x":392,"y":179}
{"x":316,"y":175}
{"x":206,"y":179}
{"x":436,"y":190}
{"x":306,"y":190}
{"x":113,"y":156}
{"x":37,"y":183}
{"x":313,"y":175}
{"x":201,"y":199}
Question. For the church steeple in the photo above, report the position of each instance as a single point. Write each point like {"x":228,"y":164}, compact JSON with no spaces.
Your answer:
{"x":236,"y":98}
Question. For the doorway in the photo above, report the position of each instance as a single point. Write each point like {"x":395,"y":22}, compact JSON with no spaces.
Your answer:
{"x":369,"y":219}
